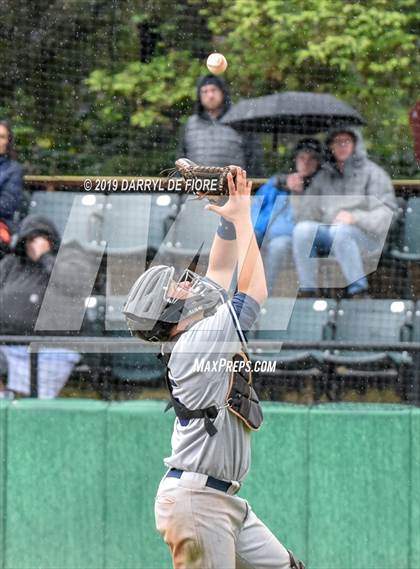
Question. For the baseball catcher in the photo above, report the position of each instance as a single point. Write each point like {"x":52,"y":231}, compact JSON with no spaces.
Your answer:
{"x":197,"y":510}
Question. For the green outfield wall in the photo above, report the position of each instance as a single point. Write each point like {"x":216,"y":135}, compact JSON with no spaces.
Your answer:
{"x":338,"y":484}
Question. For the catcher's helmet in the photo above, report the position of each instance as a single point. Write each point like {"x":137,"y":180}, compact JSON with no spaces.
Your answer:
{"x":151,"y":311}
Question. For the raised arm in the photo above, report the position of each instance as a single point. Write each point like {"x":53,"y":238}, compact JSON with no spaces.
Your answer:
{"x":237,"y":210}
{"x":223,"y":255}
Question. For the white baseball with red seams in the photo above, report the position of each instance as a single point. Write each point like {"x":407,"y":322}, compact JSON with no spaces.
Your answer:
{"x":216,"y":63}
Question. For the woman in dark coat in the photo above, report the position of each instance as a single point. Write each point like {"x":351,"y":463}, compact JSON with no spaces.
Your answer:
{"x":26,"y":276}
{"x":11,"y":186}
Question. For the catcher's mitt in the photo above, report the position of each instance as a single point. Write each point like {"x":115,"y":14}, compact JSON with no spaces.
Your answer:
{"x":205,"y":181}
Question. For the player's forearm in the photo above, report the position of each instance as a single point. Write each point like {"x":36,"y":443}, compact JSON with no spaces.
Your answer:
{"x":222,"y":261}
{"x":251,"y":275}
{"x":223,"y":254}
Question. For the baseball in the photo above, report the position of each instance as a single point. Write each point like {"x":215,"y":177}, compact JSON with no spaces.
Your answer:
{"x":216,"y":63}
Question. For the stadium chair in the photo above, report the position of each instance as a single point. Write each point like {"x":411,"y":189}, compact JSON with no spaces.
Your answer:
{"x":304,"y":320}
{"x":114,"y":318}
{"x":193,"y":227}
{"x":164,"y":210}
{"x":126,"y":222}
{"x":408,"y":248}
{"x":134,"y":228}
{"x":78,"y":217}
{"x":375,"y":321}
{"x":134,"y":222}
{"x":141,"y":369}
{"x":415,"y":392}
{"x":416,"y":323}
{"x":371,"y":321}
{"x":90,"y":369}
{"x":126,"y":231}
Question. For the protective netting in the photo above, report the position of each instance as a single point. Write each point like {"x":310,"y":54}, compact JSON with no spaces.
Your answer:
{"x":106,"y":88}
{"x":122,"y":235}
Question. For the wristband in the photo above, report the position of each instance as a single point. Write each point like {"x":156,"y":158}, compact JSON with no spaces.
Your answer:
{"x":226,"y":230}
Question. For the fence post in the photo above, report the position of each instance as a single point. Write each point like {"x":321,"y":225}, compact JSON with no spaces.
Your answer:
{"x":33,"y":372}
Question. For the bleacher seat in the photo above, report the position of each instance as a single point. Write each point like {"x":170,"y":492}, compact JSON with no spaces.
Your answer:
{"x":375,"y":321}
{"x":78,"y":217}
{"x":126,"y":232}
{"x":134,"y":228}
{"x":416,"y":338}
{"x":193,"y":228}
{"x":416,"y":323}
{"x":164,"y":211}
{"x":301,"y":320}
{"x":126,"y":222}
{"x":131,"y":226}
{"x":409,"y":250}
{"x":141,"y":367}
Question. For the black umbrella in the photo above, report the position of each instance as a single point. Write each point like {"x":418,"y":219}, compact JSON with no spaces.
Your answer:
{"x":291,"y":112}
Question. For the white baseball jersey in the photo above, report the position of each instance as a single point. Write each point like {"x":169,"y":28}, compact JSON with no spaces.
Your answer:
{"x":199,"y":375}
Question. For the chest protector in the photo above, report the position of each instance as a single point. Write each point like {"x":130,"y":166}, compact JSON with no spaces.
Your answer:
{"x":241,"y":398}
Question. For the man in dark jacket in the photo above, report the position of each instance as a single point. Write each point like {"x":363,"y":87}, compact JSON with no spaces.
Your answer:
{"x":346,"y":212}
{"x":209,"y":142}
{"x":24,"y":278}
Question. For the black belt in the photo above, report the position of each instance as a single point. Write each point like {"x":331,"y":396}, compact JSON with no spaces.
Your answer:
{"x":211,"y":482}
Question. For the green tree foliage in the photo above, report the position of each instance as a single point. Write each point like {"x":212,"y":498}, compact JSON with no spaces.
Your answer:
{"x":152,"y":90}
{"x":102,"y":87}
{"x":366,"y":53}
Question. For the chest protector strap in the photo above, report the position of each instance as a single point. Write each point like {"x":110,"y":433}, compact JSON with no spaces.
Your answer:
{"x":182,"y":412}
{"x":241,"y":399}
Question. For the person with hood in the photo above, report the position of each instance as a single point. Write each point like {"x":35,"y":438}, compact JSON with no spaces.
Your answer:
{"x":272,"y":212}
{"x":24,"y":278}
{"x":11,"y":186}
{"x":348,"y":214}
{"x":209,"y":142}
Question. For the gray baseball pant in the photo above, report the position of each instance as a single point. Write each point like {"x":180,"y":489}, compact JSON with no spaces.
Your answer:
{"x":210,"y":529}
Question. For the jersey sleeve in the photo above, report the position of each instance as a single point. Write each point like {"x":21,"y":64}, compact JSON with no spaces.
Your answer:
{"x":216,"y":334}
{"x":221,"y":333}
{"x":246,"y":308}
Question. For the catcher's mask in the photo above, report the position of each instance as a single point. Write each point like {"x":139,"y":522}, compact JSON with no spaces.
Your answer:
{"x":156,"y":301}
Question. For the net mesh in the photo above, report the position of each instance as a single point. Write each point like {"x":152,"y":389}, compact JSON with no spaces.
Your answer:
{"x":106,"y":88}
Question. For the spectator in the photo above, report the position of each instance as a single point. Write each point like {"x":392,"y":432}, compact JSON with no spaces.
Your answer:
{"x":24,"y":277}
{"x":209,"y":142}
{"x":11,"y":184}
{"x":345,"y":218}
{"x":272,"y":214}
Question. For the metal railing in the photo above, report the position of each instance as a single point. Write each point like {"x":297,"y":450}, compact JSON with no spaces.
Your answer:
{"x":111,"y":345}
{"x":76,"y":183}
